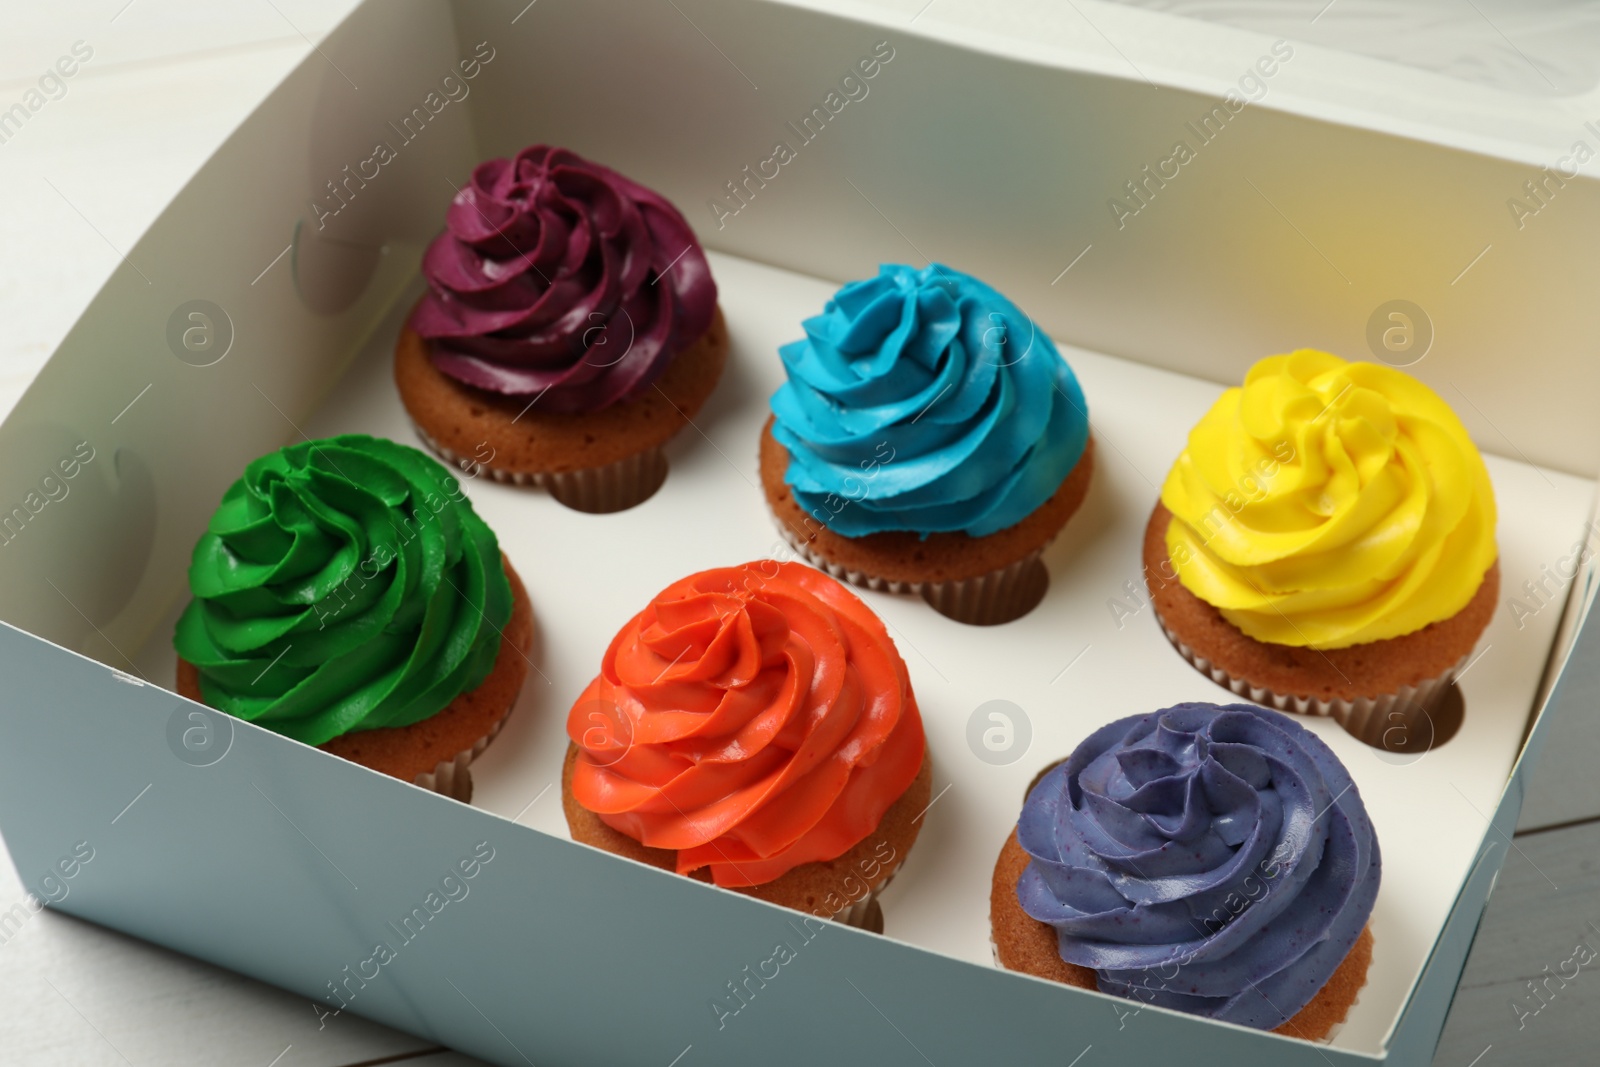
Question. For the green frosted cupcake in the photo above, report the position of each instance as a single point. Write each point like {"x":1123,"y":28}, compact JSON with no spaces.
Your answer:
{"x":346,"y":595}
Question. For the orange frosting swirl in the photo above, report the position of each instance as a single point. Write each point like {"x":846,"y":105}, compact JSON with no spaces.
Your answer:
{"x":752,"y":719}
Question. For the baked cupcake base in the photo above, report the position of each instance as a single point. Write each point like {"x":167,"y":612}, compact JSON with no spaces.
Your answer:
{"x":1370,"y":689}
{"x":435,"y":753}
{"x":979,"y":580}
{"x":1023,"y":943}
{"x":599,"y":461}
{"x":822,"y":889}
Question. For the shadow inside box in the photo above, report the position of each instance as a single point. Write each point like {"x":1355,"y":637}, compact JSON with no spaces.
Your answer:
{"x":1088,"y":526}
{"x":1421,"y":729}
{"x":533,"y":703}
{"x":737,"y":393}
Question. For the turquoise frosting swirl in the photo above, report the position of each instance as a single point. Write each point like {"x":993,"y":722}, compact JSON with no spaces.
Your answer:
{"x":924,"y":400}
{"x":343,"y":584}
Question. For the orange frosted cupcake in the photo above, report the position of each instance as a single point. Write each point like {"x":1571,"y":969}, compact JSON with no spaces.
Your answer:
{"x":754,"y":727}
{"x":1325,"y":543}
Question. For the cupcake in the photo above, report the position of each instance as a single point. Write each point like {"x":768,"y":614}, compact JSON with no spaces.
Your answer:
{"x":1214,"y":860}
{"x":754,"y":727}
{"x":929,"y":439}
{"x":1325,"y":544}
{"x":346,"y":595}
{"x":570,"y":328}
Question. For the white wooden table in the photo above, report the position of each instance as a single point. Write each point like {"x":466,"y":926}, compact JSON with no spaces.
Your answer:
{"x":168,"y":80}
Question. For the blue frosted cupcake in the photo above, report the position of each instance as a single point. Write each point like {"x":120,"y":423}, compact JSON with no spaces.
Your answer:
{"x":1214,"y":860}
{"x":930,"y":439}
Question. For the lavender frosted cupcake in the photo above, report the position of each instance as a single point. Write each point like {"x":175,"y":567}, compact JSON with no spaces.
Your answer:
{"x":569,"y":330}
{"x":1214,"y":860}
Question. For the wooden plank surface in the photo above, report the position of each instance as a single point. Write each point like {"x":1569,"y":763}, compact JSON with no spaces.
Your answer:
{"x":1531,"y":991}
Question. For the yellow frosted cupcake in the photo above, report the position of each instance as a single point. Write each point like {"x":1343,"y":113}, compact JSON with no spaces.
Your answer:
{"x":1326,"y":542}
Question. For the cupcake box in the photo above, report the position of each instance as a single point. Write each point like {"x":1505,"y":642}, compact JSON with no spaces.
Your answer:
{"x":1312,"y":202}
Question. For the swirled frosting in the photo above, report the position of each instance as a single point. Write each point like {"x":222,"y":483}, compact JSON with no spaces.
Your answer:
{"x":923,"y":400}
{"x":343,"y":584}
{"x":559,"y":278}
{"x":1328,"y":504}
{"x":1216,"y":860}
{"x":752,"y":718}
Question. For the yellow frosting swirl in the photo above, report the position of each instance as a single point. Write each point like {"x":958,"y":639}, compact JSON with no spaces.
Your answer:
{"x":1328,"y":504}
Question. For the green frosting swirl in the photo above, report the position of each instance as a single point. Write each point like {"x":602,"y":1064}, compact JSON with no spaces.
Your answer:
{"x":343,"y":584}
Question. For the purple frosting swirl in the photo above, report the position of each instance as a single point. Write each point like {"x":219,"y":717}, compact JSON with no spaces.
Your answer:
{"x":1216,"y":860}
{"x":558,"y":278}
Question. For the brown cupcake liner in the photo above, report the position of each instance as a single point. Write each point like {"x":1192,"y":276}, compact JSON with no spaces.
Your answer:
{"x":1368,"y":719}
{"x":453,"y":777}
{"x":1002,"y":595}
{"x":864,"y":914}
{"x":595,"y":490}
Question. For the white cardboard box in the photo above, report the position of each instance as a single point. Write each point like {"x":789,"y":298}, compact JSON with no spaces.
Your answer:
{"x":1298,"y":218}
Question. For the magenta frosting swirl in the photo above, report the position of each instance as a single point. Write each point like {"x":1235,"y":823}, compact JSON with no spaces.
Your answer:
{"x":561,"y":279}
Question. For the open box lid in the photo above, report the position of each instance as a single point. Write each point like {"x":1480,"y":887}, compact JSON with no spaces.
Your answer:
{"x":1243,"y":264}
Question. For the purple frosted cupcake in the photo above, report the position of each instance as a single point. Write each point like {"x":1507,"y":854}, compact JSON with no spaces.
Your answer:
{"x":570,"y":329}
{"x":1214,"y":860}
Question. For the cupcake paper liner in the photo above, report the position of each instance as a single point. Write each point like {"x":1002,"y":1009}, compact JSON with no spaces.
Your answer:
{"x":453,"y":777}
{"x":1002,"y":595}
{"x":866,"y":913}
{"x":1368,"y":719}
{"x":595,"y":490}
